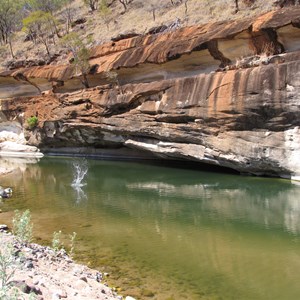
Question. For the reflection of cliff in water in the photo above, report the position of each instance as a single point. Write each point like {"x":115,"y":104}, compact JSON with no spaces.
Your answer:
{"x":169,"y":192}
{"x":214,"y":233}
{"x":17,"y":164}
{"x":258,"y":201}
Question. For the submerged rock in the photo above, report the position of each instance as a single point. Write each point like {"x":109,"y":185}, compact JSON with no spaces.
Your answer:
{"x":3,"y":227}
{"x":5,"y":192}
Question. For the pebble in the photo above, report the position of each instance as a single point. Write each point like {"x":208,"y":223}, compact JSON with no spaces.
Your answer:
{"x":29,"y":265}
{"x":83,"y":278}
{"x":3,"y":227}
{"x":99,"y":277}
{"x":36,"y":282}
{"x":55,"y":296}
{"x":52,"y":279}
{"x":129,"y":298}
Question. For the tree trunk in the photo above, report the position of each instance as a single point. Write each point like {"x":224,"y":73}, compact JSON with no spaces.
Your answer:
{"x":186,"y":7}
{"x":236,"y":5}
{"x":124,"y":4}
{"x":85,"y":81}
{"x":11,"y":49}
{"x":47,"y":48}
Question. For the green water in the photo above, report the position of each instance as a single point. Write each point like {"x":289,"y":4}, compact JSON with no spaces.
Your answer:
{"x":169,"y":233}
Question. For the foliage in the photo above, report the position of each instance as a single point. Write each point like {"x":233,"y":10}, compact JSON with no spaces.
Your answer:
{"x":10,"y":20}
{"x":80,"y":52}
{"x":72,"y":243}
{"x":7,"y":265}
{"x":9,"y":293}
{"x":58,"y":245}
{"x":32,"y":122}
{"x":56,"y":241}
{"x":39,"y":25}
{"x":105,"y":12}
{"x":49,"y":6}
{"x":68,"y":12}
{"x":22,"y":226}
{"x":91,"y":3}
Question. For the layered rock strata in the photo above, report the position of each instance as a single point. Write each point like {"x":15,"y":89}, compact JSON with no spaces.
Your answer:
{"x":225,"y":94}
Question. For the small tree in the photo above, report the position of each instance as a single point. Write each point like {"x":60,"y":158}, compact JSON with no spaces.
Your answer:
{"x":125,"y":3}
{"x":49,"y":6}
{"x":81,"y":54}
{"x":10,"y":20}
{"x":93,"y":4}
{"x":68,"y":12}
{"x":38,"y":24}
{"x":105,"y":12}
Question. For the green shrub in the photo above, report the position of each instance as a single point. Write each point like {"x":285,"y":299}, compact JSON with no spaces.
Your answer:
{"x":72,"y":244}
{"x":32,"y":122}
{"x":58,"y":245}
{"x":22,"y":226}
{"x":56,"y":241}
{"x":7,"y":265}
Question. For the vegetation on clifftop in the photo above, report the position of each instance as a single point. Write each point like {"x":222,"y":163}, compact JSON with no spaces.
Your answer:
{"x":32,"y":29}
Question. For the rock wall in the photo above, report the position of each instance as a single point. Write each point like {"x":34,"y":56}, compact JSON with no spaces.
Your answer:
{"x":13,"y":142}
{"x":225,"y":94}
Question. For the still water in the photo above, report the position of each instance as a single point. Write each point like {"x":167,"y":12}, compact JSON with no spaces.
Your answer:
{"x":169,"y":233}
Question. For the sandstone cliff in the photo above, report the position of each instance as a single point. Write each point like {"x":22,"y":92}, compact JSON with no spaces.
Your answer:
{"x":224,"y":93}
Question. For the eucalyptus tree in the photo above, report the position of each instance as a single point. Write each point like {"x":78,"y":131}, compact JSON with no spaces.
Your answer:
{"x":69,"y":13}
{"x":49,"y":6}
{"x":39,"y":25}
{"x":73,"y":43}
{"x":105,"y":12}
{"x":10,"y":21}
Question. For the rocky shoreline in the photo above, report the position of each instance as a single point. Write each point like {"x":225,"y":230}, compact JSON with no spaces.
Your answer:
{"x":42,"y":273}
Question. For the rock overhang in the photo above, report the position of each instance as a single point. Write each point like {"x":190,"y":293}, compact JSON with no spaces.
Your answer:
{"x":182,"y":95}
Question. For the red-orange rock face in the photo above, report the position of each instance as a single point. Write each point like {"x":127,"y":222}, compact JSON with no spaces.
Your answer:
{"x":185,"y":94}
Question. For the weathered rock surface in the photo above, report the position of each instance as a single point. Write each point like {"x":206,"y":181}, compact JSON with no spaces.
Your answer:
{"x":12,"y":140}
{"x":183,"y":94}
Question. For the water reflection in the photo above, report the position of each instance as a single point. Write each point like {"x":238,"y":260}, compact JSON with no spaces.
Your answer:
{"x":205,"y":234}
{"x":10,"y":164}
{"x":264,"y":202}
{"x":79,"y":194}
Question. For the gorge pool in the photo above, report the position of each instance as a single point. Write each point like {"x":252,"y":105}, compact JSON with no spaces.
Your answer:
{"x":163,"y":232}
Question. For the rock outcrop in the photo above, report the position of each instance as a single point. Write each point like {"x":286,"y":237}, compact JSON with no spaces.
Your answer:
{"x":12,"y":140}
{"x":225,"y":93}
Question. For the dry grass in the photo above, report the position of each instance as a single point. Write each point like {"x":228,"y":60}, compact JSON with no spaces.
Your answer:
{"x":139,"y":18}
